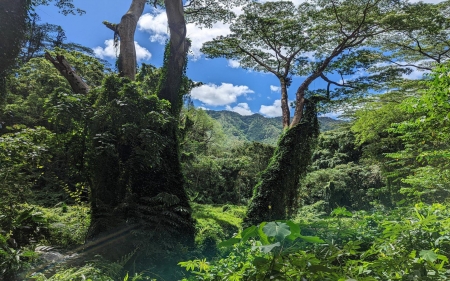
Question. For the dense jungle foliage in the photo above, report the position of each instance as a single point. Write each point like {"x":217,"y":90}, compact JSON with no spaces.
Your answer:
{"x":371,"y":203}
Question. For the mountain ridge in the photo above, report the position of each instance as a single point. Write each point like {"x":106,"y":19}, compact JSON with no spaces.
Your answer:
{"x":258,"y":128}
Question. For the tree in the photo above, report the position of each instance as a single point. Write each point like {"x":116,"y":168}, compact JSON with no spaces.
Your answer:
{"x":268,"y":38}
{"x":419,"y":36}
{"x":424,"y":136}
{"x":16,"y":16}
{"x":335,"y":33}
{"x":12,"y":31}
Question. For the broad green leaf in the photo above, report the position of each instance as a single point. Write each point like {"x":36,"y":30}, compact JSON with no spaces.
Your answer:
{"x":249,"y":232}
{"x":442,"y":258}
{"x":229,"y":242}
{"x":428,"y":255}
{"x":279,"y":230}
{"x":267,"y":248}
{"x":262,"y":236}
{"x":295,"y":230}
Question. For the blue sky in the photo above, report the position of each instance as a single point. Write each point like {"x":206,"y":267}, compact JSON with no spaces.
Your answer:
{"x":227,"y":86}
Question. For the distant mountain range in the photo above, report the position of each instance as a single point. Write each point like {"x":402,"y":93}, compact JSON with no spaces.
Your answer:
{"x":257,"y":127}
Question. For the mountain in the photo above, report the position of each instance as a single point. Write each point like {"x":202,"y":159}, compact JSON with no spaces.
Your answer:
{"x":257,"y":127}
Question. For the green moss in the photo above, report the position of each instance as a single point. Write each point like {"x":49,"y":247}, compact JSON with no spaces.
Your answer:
{"x":275,"y":196}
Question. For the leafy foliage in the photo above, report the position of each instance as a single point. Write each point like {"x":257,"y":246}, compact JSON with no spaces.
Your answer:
{"x":368,"y":247}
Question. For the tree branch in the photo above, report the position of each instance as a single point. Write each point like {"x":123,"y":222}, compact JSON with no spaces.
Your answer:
{"x":336,"y":83}
{"x":66,"y":70}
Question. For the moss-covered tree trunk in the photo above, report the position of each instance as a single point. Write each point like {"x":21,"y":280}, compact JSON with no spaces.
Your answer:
{"x":276,"y":194}
{"x":13,"y":19}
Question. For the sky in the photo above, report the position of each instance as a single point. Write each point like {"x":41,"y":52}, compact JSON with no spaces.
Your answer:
{"x":226,"y":85}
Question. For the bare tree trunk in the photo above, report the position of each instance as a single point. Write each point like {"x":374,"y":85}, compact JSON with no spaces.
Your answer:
{"x":126,"y":30}
{"x":176,"y":60}
{"x":285,"y":103}
{"x":64,"y":68}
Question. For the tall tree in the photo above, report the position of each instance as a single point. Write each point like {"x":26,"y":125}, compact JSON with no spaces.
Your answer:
{"x":333,"y":34}
{"x":269,"y":38}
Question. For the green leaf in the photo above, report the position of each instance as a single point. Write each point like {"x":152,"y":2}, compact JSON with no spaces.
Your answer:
{"x":267,"y":248}
{"x":249,"y":232}
{"x":312,"y":239}
{"x":442,"y":258}
{"x":428,"y":255}
{"x":295,"y":230}
{"x":341,"y":212}
{"x":279,"y":230}
{"x":262,"y":236}
{"x":229,"y":242}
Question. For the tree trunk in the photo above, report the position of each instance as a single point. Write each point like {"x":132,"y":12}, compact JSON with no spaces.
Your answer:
{"x":285,"y":103}
{"x":146,"y":205}
{"x":62,"y":65}
{"x":276,"y":194}
{"x":13,"y":19}
{"x":125,"y":30}
{"x":175,"y":59}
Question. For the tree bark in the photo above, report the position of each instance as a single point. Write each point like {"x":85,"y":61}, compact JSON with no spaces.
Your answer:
{"x":126,"y":30}
{"x":176,"y":59}
{"x":285,"y":103}
{"x":66,"y":70}
{"x":13,"y":15}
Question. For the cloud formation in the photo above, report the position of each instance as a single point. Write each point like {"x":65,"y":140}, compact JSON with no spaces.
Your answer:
{"x":273,"y":110}
{"x":233,"y":64}
{"x":275,"y":89}
{"x":241,"y":108}
{"x":215,"y":95}
{"x":156,"y":25}
{"x":109,"y":51}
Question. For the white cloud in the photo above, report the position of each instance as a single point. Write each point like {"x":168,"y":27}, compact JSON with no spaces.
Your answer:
{"x":241,"y":108}
{"x":333,"y":115}
{"x":156,"y":25}
{"x":415,"y":74}
{"x":275,"y":89}
{"x":271,"y":110}
{"x":215,"y":95}
{"x":110,"y":51}
{"x":233,"y":63}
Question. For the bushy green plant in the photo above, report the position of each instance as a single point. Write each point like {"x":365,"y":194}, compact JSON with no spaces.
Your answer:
{"x":12,"y":258}
{"x":67,"y":224}
{"x":410,"y":243}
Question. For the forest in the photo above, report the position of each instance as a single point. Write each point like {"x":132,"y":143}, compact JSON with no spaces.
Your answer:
{"x":112,"y":173}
